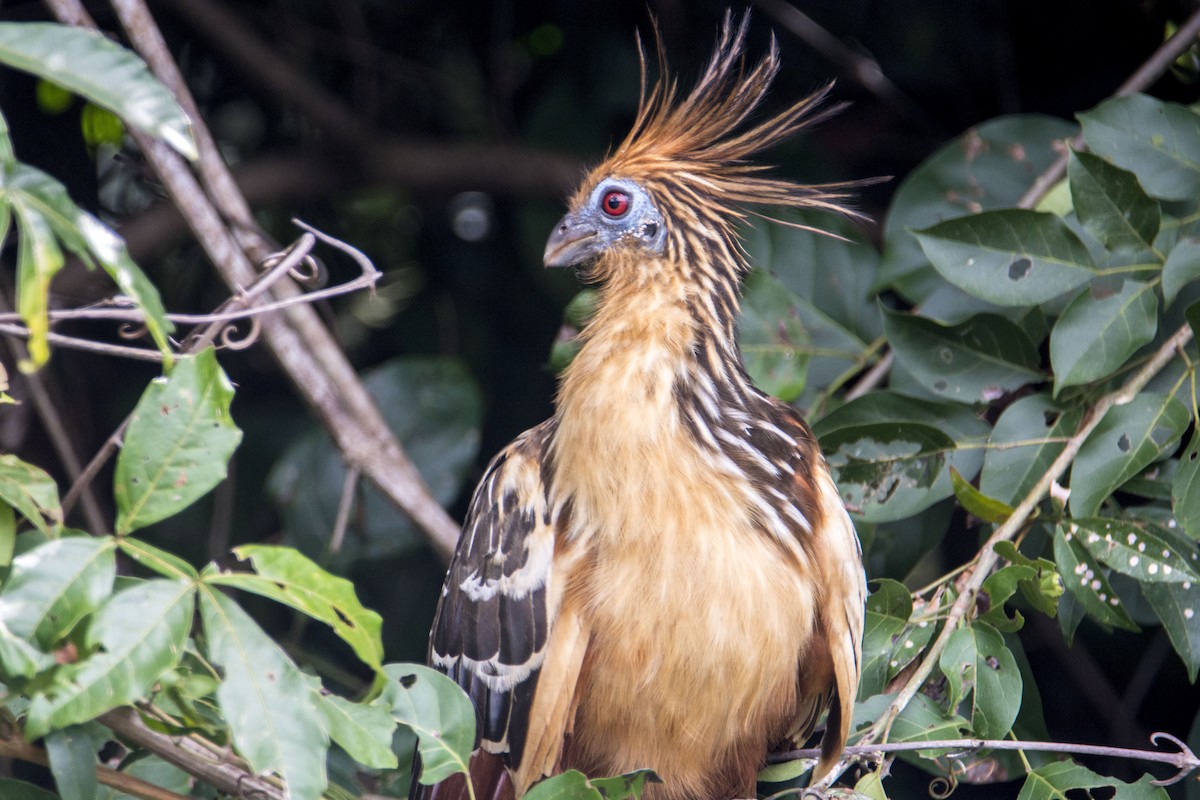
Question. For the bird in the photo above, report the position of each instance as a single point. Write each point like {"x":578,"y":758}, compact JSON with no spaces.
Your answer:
{"x":662,"y":574}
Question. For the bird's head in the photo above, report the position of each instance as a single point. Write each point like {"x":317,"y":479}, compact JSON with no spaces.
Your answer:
{"x":675,"y":189}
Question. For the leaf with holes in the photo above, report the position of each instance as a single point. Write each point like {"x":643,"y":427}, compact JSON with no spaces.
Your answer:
{"x":887,"y":613}
{"x":1130,"y":437}
{"x":441,"y":715}
{"x":1099,"y":330}
{"x":54,"y":585}
{"x":1011,"y":257}
{"x":1027,"y":438}
{"x":1139,"y":550}
{"x":138,"y":635}
{"x":1159,"y":142}
{"x":363,"y":730}
{"x":1087,"y":582}
{"x":1185,"y":496}
{"x":1111,"y":204}
{"x":90,"y":64}
{"x":775,"y":342}
{"x":1182,"y":268}
{"x":288,"y":577}
{"x":977,"y":663}
{"x":269,"y":703}
{"x":978,"y":361}
{"x":1063,"y":779}
{"x":32,"y":492}
{"x":178,"y":442}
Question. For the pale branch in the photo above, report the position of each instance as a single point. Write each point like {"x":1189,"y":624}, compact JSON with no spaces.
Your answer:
{"x":988,"y":558}
{"x":1183,"y":759}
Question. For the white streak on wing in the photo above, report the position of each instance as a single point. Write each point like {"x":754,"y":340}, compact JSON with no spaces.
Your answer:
{"x":529,"y":578}
{"x":493,"y":674}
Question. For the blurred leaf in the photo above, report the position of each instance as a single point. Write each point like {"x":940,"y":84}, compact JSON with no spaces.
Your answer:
{"x":1044,"y":588}
{"x":1087,"y":583}
{"x":574,"y":785}
{"x":154,"y":770}
{"x":1185,"y":498}
{"x":1182,"y":268}
{"x":1111,"y":204}
{"x":54,"y":585}
{"x":8,"y":533}
{"x":975,"y":502}
{"x":1129,"y":437}
{"x":575,"y":316}
{"x":269,"y":703}
{"x":288,"y":577}
{"x":39,"y":258}
{"x":19,"y":658}
{"x":890,"y":454}
{"x":140,"y":633}
{"x":987,"y":167}
{"x":31,"y":491}
{"x":628,"y":785}
{"x":1136,"y":550}
{"x":776,"y":345}
{"x":102,"y":71}
{"x":1097,"y":332}
{"x":977,"y":662}
{"x":1023,"y":445}
{"x":1054,"y":781}
{"x":19,"y":790}
{"x":178,"y":443}
{"x":1157,"y":141}
{"x":1178,"y":606}
{"x":73,"y":764}
{"x":363,"y":730}
{"x":434,"y":408}
{"x":439,"y":713}
{"x":157,"y":559}
{"x":1011,"y":257}
{"x":978,"y":361}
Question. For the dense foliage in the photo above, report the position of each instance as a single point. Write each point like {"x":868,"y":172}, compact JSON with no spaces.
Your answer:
{"x":1010,"y":379}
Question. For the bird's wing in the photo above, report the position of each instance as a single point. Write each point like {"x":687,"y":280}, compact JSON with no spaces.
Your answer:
{"x":498,"y":631}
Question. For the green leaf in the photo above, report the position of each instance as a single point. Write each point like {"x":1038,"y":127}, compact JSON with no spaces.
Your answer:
{"x":1185,"y":496}
{"x":157,"y":559}
{"x":39,"y":258}
{"x":441,"y":715}
{"x":1027,"y":438}
{"x":1099,"y":330}
{"x":1130,"y":437}
{"x":434,"y":407}
{"x":574,"y":785}
{"x":977,"y":662}
{"x":892,"y":638}
{"x":775,"y":343}
{"x":997,"y":589}
{"x":975,"y":502}
{"x":1178,"y":606}
{"x":628,"y":785}
{"x":1140,"y":551}
{"x":922,"y":720}
{"x":987,"y":167}
{"x":1087,"y":582}
{"x":73,"y":763}
{"x":978,"y":361}
{"x":1111,"y":204}
{"x":19,"y":658}
{"x":363,"y":730}
{"x":269,"y":703}
{"x":891,"y":454}
{"x":1159,"y":142}
{"x":140,"y":633}
{"x":1012,"y":257}
{"x":1043,"y":589}
{"x":288,"y":577}
{"x":177,"y":445}
{"x":1182,"y":267}
{"x":91,"y":65}
{"x":153,"y":770}
{"x":1055,"y":780}
{"x":19,"y":790}
{"x":54,"y":585}
{"x":32,"y":492}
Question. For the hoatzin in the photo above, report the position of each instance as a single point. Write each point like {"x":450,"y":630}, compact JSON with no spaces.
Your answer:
{"x":662,"y":574}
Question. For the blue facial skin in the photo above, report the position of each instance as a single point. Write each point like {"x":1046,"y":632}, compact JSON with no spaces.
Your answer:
{"x":617,"y":211}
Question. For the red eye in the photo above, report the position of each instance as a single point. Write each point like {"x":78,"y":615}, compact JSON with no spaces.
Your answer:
{"x":615,"y":203}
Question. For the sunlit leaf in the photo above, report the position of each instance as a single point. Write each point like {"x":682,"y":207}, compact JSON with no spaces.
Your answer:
{"x":978,"y":361}
{"x":39,"y":259}
{"x":269,"y":703}
{"x":1159,"y":142}
{"x":178,"y":442}
{"x":140,"y":633}
{"x":976,"y":661}
{"x":441,"y":715}
{"x":52,"y":586}
{"x":1012,"y":257}
{"x":363,"y":730}
{"x":289,"y":577}
{"x":1130,"y":437}
{"x":1100,"y":330}
{"x":1027,"y":438}
{"x":90,"y":64}
{"x":1111,"y":204}
{"x":1085,"y":579}
{"x":31,"y":491}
